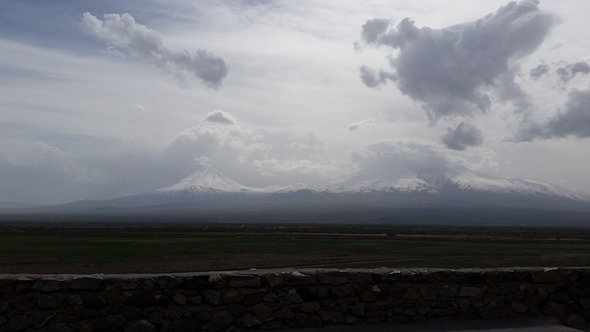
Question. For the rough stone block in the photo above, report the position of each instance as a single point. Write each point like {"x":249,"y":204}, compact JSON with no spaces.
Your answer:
{"x":169,"y":282}
{"x":546,"y":276}
{"x":50,"y":302}
{"x":142,"y":325}
{"x":285,"y":314}
{"x":428,"y":293}
{"x":342,"y":291}
{"x":310,"y":307}
{"x":243,"y":280}
{"x":358,"y":310}
{"x":90,"y":283}
{"x":140,"y":299}
{"x":18,"y":323}
{"x":23,"y":303}
{"x":309,"y":320}
{"x":292,"y":296}
{"x":331,"y":317}
{"x":251,"y":321}
{"x":273,"y":280}
{"x":263,"y":310}
{"x":179,"y":299}
{"x":212,"y":297}
{"x":221,"y":320}
{"x":49,"y":284}
{"x":232,"y":295}
{"x":298,"y":279}
{"x":469,"y":291}
{"x":519,"y":307}
{"x":332,"y":277}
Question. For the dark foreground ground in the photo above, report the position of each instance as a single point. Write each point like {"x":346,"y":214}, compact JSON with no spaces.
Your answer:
{"x":29,"y":247}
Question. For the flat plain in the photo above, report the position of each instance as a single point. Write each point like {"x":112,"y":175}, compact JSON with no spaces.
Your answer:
{"x":184,"y":247}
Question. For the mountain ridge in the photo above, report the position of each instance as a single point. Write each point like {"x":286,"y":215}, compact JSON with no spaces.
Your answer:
{"x":361,"y":195}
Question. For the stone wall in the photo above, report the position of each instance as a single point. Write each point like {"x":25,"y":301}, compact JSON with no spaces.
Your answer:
{"x":255,"y":300}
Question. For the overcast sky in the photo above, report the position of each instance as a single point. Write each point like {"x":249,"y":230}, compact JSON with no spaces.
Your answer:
{"x":106,"y":98}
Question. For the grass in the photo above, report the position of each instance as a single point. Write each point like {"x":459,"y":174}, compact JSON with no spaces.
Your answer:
{"x":404,"y":252}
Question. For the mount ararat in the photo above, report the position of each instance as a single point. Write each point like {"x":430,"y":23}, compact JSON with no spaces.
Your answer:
{"x":453,"y":194}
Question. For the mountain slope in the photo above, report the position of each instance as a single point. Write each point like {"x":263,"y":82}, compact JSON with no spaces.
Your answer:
{"x":449,"y":182}
{"x":362,"y":195}
{"x":206,"y":180}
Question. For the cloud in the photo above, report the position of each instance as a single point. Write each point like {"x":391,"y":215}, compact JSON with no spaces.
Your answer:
{"x":374,"y":29}
{"x":34,"y":171}
{"x":220,"y":117}
{"x":139,"y":41}
{"x":568,"y":72}
{"x":360,"y":124}
{"x":373,"y":79}
{"x":203,"y":160}
{"x":539,"y":71}
{"x":455,"y":71}
{"x":404,"y":157}
{"x":573,"y":120}
{"x":252,"y":157}
{"x":462,"y":137}
{"x":42,"y":156}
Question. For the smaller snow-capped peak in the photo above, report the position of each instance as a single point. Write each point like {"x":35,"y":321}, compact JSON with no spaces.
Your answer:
{"x":206,"y":180}
{"x":479,"y":182}
{"x":441,"y":181}
{"x":366,"y":182}
{"x":284,"y":189}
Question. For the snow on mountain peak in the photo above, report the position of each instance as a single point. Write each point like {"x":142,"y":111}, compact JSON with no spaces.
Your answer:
{"x":206,"y":180}
{"x":481,"y":182}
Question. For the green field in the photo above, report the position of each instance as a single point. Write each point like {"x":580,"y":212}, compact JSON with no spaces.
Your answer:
{"x":46,"y":249}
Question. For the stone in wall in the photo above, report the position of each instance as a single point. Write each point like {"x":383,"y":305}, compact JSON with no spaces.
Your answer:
{"x":259,"y":300}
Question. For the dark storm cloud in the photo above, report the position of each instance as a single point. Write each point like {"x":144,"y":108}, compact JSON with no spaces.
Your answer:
{"x":462,"y":137}
{"x":568,"y":72}
{"x":139,"y":41}
{"x":373,"y":78}
{"x":539,"y":71}
{"x":453,"y":71}
{"x":573,"y":120}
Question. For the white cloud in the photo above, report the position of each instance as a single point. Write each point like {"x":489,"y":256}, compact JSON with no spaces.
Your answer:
{"x":38,"y":172}
{"x":399,"y":158}
{"x":220,"y":117}
{"x":40,"y":155}
{"x":404,"y":157}
{"x":139,"y":41}
{"x":252,"y":157}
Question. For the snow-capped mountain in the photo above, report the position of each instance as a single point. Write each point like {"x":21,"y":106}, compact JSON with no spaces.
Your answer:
{"x":442,"y":182}
{"x":480,"y":182}
{"x":432,"y":194}
{"x":364,"y":182}
{"x":206,"y":180}
{"x":436,"y":185}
